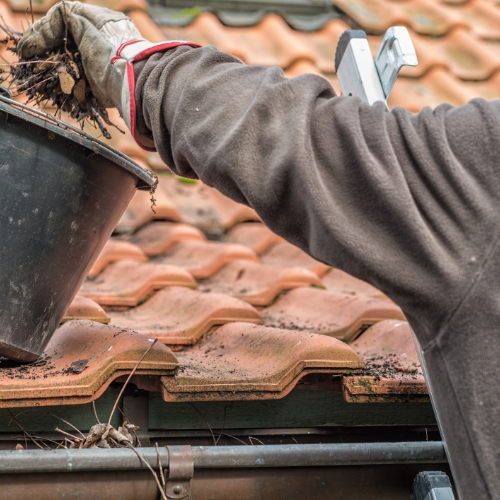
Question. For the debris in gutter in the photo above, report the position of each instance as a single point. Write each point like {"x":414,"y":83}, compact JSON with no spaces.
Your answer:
{"x":57,"y":78}
{"x":100,"y":435}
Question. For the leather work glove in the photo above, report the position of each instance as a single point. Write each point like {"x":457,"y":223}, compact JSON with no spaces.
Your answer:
{"x":109,"y":44}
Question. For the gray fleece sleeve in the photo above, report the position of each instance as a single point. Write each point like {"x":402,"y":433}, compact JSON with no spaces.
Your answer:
{"x":379,"y":194}
{"x":409,"y":203}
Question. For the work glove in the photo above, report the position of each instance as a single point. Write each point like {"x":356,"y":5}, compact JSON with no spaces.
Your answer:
{"x":109,"y":44}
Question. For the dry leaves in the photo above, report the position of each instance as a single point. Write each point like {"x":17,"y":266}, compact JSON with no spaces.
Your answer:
{"x":57,"y":78}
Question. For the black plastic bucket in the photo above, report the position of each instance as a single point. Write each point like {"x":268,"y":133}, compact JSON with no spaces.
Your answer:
{"x":61,"y":194}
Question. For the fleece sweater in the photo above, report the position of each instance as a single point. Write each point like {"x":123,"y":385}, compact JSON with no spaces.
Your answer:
{"x":407,"y":202}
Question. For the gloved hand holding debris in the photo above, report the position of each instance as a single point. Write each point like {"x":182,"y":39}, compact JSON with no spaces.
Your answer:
{"x":107,"y":42}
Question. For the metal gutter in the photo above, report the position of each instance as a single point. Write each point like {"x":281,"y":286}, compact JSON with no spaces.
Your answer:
{"x":224,"y":457}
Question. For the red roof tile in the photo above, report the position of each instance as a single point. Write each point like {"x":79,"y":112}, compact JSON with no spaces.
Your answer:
{"x":202,"y":206}
{"x":160,"y":237}
{"x":205,"y":258}
{"x":115,"y":250}
{"x":85,"y":308}
{"x":242,"y":361}
{"x":127,"y":283}
{"x":285,"y":255}
{"x":392,"y":371}
{"x":329,"y":313}
{"x":256,"y":283}
{"x":179,"y":316}
{"x":255,"y":235}
{"x":141,"y":211}
{"x":336,"y":280}
{"x":79,"y":363}
{"x":465,"y":49}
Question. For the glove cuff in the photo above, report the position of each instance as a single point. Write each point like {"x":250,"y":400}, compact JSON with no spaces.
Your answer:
{"x":128,"y":53}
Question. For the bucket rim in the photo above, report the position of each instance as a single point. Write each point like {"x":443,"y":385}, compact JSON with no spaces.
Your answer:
{"x":146,"y":179}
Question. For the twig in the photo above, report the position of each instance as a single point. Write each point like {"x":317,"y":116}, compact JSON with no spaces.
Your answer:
{"x":258,"y":440}
{"x":95,"y":411}
{"x":29,"y":88}
{"x":151,"y":469}
{"x":223,"y":425}
{"x":237,"y":439}
{"x":26,"y":433}
{"x":17,"y":63}
{"x":31,"y":9}
{"x":68,"y":434}
{"x":160,"y":466}
{"x":71,"y":425}
{"x":206,"y":421}
{"x":128,"y":379}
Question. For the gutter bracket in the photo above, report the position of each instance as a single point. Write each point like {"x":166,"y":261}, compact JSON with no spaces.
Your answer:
{"x":180,"y":472}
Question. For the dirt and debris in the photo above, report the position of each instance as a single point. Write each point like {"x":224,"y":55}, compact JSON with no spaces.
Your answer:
{"x":104,"y":436}
{"x":41,"y":368}
{"x":77,"y":366}
{"x":57,"y":78}
{"x":389,"y":366}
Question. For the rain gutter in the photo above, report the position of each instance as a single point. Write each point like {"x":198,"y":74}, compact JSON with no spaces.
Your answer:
{"x":224,"y":457}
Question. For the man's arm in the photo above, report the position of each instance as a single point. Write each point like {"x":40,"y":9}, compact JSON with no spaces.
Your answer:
{"x":400,"y":200}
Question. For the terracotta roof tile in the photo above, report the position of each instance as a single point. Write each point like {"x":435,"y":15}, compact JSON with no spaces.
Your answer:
{"x":392,"y":371}
{"x":285,"y":255}
{"x":203,"y":206}
{"x":204,"y":258}
{"x":489,"y":90}
{"x":115,"y":250}
{"x":85,"y":308}
{"x":179,"y":316}
{"x":462,"y":51}
{"x":141,"y":211}
{"x":339,"y":281}
{"x":257,"y":283}
{"x":269,"y":43}
{"x":436,"y":87}
{"x":127,"y":283}
{"x":424,"y":16}
{"x":328,"y":313}
{"x":243,"y":361}
{"x":481,"y":16}
{"x":79,"y":363}
{"x":160,"y":237}
{"x":255,"y":235}
{"x":322,"y":45}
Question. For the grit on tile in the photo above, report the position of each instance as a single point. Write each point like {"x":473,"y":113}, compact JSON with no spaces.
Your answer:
{"x":329,"y":313}
{"x":258,"y":284}
{"x":243,"y":361}
{"x":392,"y":370}
{"x":79,"y":363}
{"x":203,"y":259}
